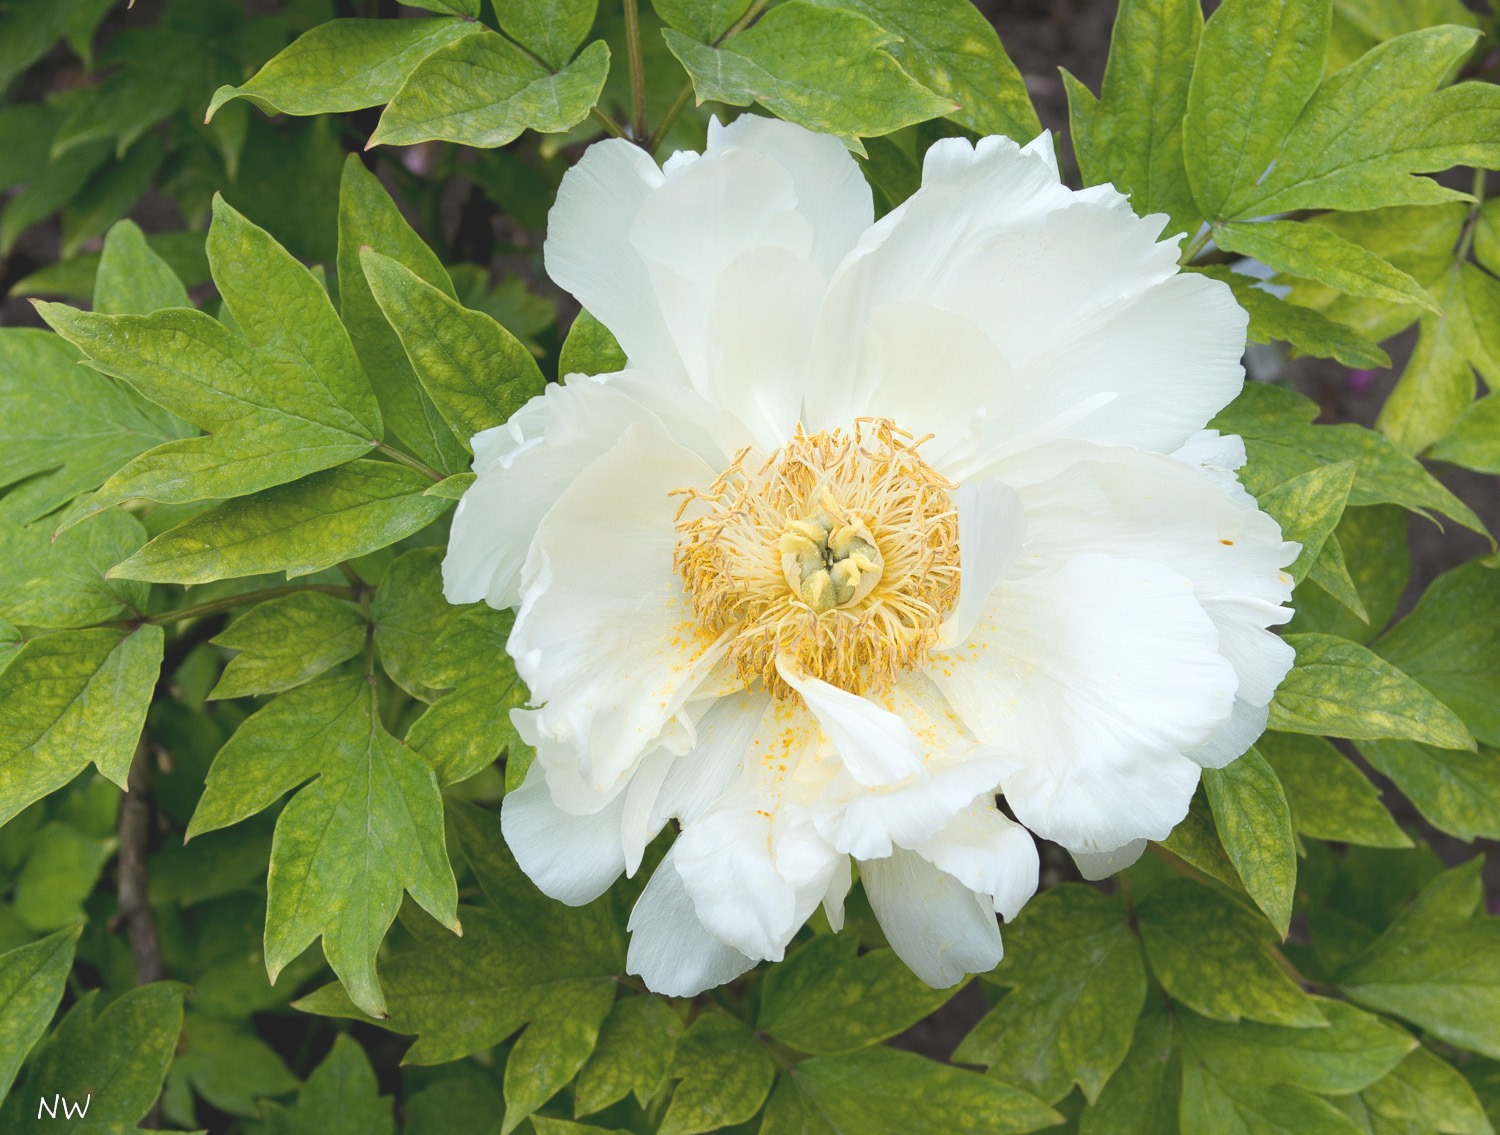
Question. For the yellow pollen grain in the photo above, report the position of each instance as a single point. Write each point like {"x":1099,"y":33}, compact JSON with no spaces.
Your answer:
{"x":870,"y":478}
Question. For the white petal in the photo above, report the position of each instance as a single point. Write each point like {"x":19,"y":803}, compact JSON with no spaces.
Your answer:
{"x":1243,"y":729}
{"x":1075,"y":291}
{"x":523,"y":467}
{"x":928,"y":370}
{"x":754,"y":864}
{"x":1096,"y":675}
{"x":831,"y":191}
{"x":588,"y":250}
{"x":761,"y":326}
{"x":838,"y":891}
{"x":936,"y":925}
{"x":876,"y":746}
{"x":988,"y":852}
{"x":572,"y":858}
{"x":697,"y":223}
{"x":991,"y":528}
{"x":1103,"y":864}
{"x":606,"y":636}
{"x":701,"y":778}
{"x":1140,"y":505}
{"x":669,"y":948}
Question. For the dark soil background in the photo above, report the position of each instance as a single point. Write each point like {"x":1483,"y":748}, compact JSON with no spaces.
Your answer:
{"x":1041,"y":37}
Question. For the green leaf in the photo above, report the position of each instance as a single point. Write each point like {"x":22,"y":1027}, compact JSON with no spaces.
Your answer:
{"x":468,"y":1100}
{"x":285,"y":313}
{"x":1458,"y":792}
{"x":287,"y":642}
{"x":1436,"y":966}
{"x":115,"y":1058}
{"x":1426,"y":1093}
{"x":10,"y":642}
{"x":452,"y":488}
{"x":1137,"y":129}
{"x":290,"y":401}
{"x":1353,"y":1052}
{"x":1328,"y":796}
{"x":1211,"y":1106}
{"x":828,"y":998}
{"x":61,"y":869}
{"x":368,"y":217}
{"x":345,"y":65}
{"x":1308,"y":331}
{"x":1315,"y":252}
{"x":1376,"y":122}
{"x":410,"y":613}
{"x":69,"y":699}
{"x":1078,"y":984}
{"x":49,"y":191}
{"x":466,"y":730}
{"x":76,"y":277}
{"x":549,"y":29}
{"x":132,"y":278}
{"x":475,"y":371}
{"x":1258,"y":63}
{"x":1141,"y":1097}
{"x":32,"y":979}
{"x":1308,"y":508}
{"x":590,"y":348}
{"x":300,"y":528}
{"x":1342,"y":689}
{"x":1474,"y":441}
{"x":1330,"y":572}
{"x":368,"y":827}
{"x":823,"y":68}
{"x":63,"y":417}
{"x":341,"y":1097}
{"x":704,"y":20}
{"x":111,"y":193}
{"x":516,"y":955}
{"x":1255,"y":825}
{"x":1209,"y":952}
{"x":1437,"y":385}
{"x":1195,"y":840}
{"x":1451,"y":644}
{"x":229,"y":1065}
{"x":883,"y":1091}
{"x":1282,"y":442}
{"x":1372,"y":541}
{"x":553,"y":1048}
{"x":485,"y":91}
{"x":950,"y":48}
{"x":636,"y":1047}
{"x":47,"y":582}
{"x":725,"y":1073}
{"x":1083,"y":113}
{"x":468,"y":8}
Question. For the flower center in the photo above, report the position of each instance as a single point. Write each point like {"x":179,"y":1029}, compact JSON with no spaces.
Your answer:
{"x":838,"y":554}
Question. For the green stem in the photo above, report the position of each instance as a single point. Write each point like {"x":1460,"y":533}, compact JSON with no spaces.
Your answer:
{"x":1196,"y":245}
{"x":659,"y":135}
{"x":1466,"y":241}
{"x":611,"y":127}
{"x":406,"y":459}
{"x":214,"y":606}
{"x":637,"y":70}
{"x":743,"y":22}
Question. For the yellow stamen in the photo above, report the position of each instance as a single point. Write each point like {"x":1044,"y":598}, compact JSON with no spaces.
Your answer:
{"x":840,"y":553}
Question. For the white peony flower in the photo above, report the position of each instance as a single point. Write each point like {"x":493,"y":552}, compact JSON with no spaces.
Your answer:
{"x":882,"y":519}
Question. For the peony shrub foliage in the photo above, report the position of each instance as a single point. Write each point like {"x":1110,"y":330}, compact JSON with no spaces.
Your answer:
{"x":876,"y":667}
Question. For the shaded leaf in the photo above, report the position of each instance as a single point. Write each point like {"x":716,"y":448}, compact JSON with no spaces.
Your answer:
{"x":367,"y":828}
{"x":300,"y":528}
{"x":1077,"y":986}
